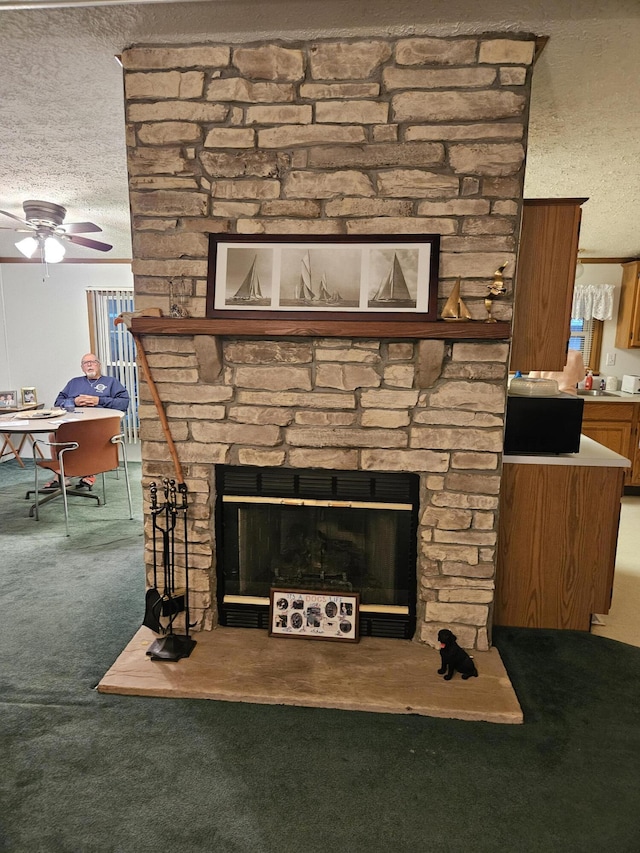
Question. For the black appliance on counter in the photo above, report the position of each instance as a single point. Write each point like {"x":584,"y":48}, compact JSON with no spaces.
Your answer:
{"x":543,"y":424}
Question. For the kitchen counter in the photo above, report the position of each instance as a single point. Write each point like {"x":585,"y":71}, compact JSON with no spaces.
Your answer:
{"x":591,"y":454}
{"x":611,"y":397}
{"x":614,"y":420}
{"x":557,"y":535}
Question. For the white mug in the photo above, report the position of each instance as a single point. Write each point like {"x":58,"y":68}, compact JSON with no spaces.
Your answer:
{"x":612,"y":383}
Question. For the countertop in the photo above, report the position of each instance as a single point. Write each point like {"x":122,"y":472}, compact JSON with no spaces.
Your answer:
{"x":612,"y":397}
{"x":591,"y":454}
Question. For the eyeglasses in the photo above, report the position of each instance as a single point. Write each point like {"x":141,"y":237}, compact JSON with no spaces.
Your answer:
{"x":91,"y":361}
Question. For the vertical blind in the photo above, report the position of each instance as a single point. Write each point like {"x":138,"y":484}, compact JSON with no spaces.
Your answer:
{"x":115,"y":348}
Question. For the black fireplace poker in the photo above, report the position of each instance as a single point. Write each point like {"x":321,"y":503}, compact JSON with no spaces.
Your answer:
{"x":162,"y":608}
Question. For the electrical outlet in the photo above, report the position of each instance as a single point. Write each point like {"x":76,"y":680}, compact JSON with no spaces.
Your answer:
{"x":611,"y":359}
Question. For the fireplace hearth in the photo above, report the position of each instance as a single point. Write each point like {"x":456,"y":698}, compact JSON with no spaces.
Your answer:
{"x":331,"y":531}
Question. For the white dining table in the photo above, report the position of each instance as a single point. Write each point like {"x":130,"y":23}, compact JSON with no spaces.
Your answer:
{"x":32,"y":423}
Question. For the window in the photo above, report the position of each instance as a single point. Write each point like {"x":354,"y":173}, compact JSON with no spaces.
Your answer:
{"x":586,"y":336}
{"x":115,"y":348}
{"x":580,"y":337}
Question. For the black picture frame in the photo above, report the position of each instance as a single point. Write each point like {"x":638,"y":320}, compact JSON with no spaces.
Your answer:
{"x":327,"y":277}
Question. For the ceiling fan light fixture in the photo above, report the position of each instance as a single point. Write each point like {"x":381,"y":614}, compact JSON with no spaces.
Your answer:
{"x":49,"y":235}
{"x":28,"y":246}
{"x":54,"y":251}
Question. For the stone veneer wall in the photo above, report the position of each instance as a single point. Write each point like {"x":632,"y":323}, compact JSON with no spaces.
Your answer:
{"x":409,"y":135}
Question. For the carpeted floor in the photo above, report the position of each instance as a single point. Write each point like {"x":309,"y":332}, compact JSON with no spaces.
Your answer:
{"x":84,"y":772}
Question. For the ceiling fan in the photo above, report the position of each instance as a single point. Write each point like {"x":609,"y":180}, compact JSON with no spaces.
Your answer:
{"x":44,"y":222}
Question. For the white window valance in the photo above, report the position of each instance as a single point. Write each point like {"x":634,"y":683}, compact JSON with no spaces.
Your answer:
{"x":592,"y":301}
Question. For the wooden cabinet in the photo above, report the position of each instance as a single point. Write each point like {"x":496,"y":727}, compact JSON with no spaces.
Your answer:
{"x":628,"y":328}
{"x":634,"y":475}
{"x":616,"y":426}
{"x":544,"y":281}
{"x":558,"y":530}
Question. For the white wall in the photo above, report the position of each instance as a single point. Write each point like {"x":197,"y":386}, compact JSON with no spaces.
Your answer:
{"x":44,"y":325}
{"x":627,"y":360}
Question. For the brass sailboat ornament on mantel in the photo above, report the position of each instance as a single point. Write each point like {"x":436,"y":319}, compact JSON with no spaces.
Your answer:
{"x":454,"y":308}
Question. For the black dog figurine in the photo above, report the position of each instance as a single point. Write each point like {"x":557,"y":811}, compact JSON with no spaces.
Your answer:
{"x":454,"y":658}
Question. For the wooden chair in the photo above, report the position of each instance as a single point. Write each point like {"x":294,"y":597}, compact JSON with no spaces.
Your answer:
{"x":80,"y":448}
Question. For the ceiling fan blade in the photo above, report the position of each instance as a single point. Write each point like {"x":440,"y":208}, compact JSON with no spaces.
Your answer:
{"x":90,"y":244}
{"x":11,"y":216}
{"x":80,"y":227}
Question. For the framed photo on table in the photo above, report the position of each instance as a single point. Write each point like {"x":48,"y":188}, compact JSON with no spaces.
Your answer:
{"x":29,"y":396}
{"x":329,"y":277}
{"x":314,"y":615}
{"x":8,"y":399}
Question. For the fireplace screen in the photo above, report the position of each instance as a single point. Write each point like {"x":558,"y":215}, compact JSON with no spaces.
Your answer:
{"x":357,"y":548}
{"x":341,"y":532}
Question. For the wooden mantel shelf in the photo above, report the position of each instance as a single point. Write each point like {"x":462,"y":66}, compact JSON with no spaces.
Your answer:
{"x":472,"y":330}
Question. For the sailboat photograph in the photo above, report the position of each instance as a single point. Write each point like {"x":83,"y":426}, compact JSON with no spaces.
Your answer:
{"x":252,"y":288}
{"x":324,"y":276}
{"x":304,"y":291}
{"x":319,"y":279}
{"x":392,"y":288}
{"x":326,"y":296}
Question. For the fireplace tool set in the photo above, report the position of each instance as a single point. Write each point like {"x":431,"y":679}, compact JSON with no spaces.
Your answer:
{"x":163,"y":607}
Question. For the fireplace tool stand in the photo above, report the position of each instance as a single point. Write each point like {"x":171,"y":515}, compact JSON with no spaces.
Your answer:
{"x":163,"y":608}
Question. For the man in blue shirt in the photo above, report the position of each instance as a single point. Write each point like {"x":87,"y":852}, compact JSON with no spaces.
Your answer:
{"x":91,"y":389}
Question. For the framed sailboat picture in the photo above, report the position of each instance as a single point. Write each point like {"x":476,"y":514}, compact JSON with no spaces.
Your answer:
{"x":302,"y":277}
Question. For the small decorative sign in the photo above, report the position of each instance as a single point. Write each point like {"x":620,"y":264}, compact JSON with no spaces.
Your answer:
{"x":314,"y":615}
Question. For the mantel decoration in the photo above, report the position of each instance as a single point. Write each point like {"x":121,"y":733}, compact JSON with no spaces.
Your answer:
{"x":325,"y":277}
{"x":179,"y":290}
{"x":454,"y":309}
{"x":495,"y":289}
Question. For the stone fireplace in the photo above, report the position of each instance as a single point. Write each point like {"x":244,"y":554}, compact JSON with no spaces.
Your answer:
{"x":380,"y":136}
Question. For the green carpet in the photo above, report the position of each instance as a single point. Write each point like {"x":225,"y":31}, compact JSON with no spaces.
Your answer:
{"x":83,"y":772}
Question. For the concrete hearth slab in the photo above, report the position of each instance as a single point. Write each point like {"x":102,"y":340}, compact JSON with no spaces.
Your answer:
{"x":385,"y":676}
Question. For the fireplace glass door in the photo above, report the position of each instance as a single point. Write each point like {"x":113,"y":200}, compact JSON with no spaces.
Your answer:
{"x":344,"y":533}
{"x":331,"y":548}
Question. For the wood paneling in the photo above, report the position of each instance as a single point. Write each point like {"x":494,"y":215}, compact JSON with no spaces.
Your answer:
{"x":616,"y":426}
{"x":544,"y":283}
{"x":602,"y":411}
{"x":628,"y":325}
{"x":558,"y":530}
{"x":616,"y":435}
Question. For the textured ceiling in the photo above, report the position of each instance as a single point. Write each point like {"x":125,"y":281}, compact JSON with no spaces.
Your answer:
{"x":61,"y":108}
